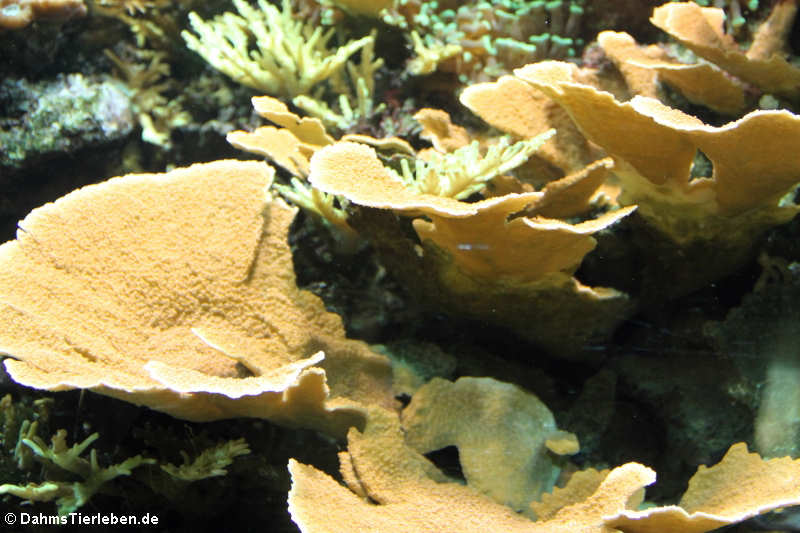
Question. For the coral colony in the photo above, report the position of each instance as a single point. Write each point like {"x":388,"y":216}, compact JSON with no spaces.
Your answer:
{"x":512,"y":164}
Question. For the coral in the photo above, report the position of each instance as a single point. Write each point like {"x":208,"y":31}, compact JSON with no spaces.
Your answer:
{"x":146,"y":84}
{"x":440,"y":130}
{"x":152,"y":22}
{"x":70,"y":496}
{"x":22,"y":421}
{"x":210,"y":463}
{"x":514,"y":107}
{"x":428,"y":53}
{"x":516,"y":272}
{"x":700,"y":83}
{"x":391,"y":487}
{"x":740,"y":486}
{"x":503,"y":435}
{"x":370,"y":8}
{"x":409,"y":490}
{"x":654,"y":147}
{"x":16,"y":14}
{"x":763,"y":65}
{"x":482,"y":255}
{"x":480,"y":40}
{"x":131,"y":7}
{"x":291,"y":146}
{"x":354,"y":171}
{"x":202,"y":319}
{"x":292,"y":56}
{"x":355,"y":92}
{"x":465,"y":170}
{"x":726,"y":82}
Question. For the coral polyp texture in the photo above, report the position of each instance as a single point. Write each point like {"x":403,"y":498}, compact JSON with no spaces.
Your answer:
{"x":150,"y":292}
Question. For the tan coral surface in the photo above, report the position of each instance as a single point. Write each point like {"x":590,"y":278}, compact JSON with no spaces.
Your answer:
{"x":701,"y":30}
{"x":654,"y":147}
{"x":177,"y":291}
{"x":390,"y":487}
{"x":516,"y":272}
{"x":501,"y":432}
{"x":394,"y":488}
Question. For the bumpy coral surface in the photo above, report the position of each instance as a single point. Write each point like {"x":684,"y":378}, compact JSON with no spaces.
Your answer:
{"x":200,"y":319}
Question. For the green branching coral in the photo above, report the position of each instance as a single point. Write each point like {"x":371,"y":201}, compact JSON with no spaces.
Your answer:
{"x":146,"y":81}
{"x":70,"y":495}
{"x":210,"y":463}
{"x":321,"y":205}
{"x":355,"y":87}
{"x":466,"y":170}
{"x":290,"y":56}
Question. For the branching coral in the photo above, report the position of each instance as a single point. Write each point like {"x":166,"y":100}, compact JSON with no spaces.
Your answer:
{"x":355,"y":93}
{"x":71,"y":495}
{"x":466,"y":170}
{"x":150,"y":21}
{"x":131,"y":7}
{"x":291,"y":55}
{"x":210,"y":463}
{"x":147,"y":82}
{"x":370,"y":8}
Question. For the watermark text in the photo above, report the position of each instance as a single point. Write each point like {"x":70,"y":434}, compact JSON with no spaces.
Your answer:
{"x":80,"y":519}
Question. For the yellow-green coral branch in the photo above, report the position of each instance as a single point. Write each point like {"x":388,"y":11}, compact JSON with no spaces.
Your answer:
{"x":290,"y":56}
{"x":210,"y":463}
{"x":322,"y":205}
{"x":465,"y":171}
{"x":428,"y":53}
{"x":356,"y":93}
{"x":70,"y":495}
